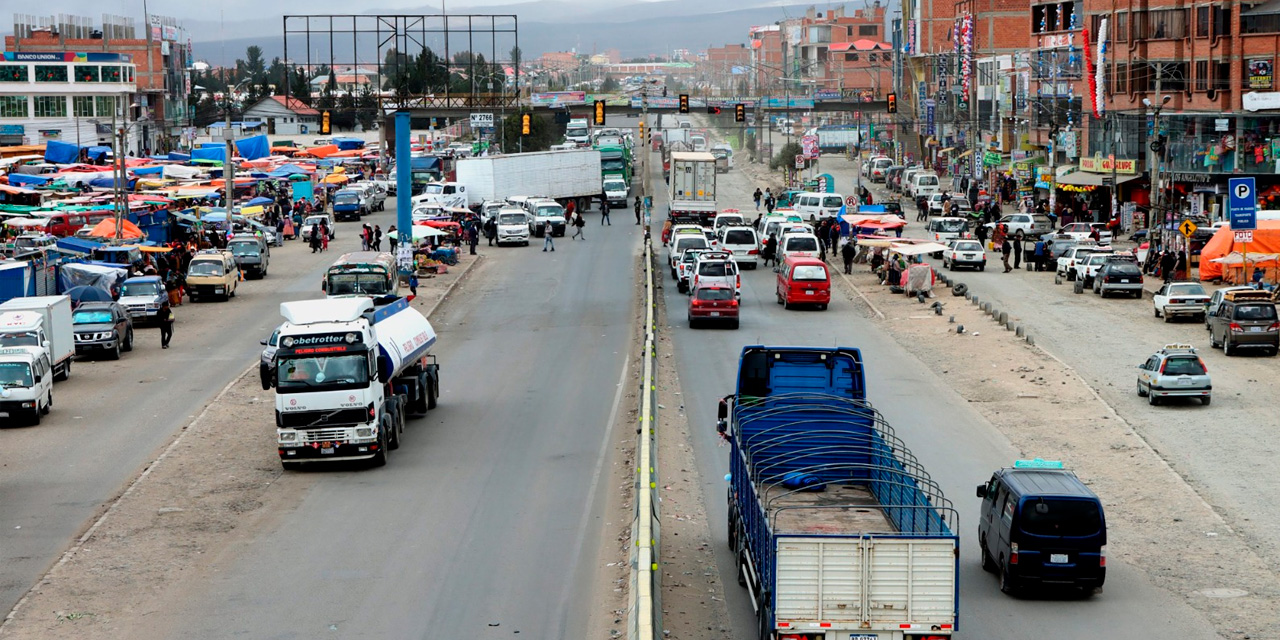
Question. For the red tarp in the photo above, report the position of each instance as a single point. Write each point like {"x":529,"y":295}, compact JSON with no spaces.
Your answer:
{"x":1266,"y":239}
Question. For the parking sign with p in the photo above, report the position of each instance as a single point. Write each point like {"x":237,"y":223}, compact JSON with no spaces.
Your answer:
{"x":1242,"y":207}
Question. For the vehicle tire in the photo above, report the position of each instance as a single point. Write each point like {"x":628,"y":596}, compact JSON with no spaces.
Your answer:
{"x":1142,"y":393}
{"x":1156,"y":311}
{"x":988,"y":563}
{"x":1152,"y":399}
{"x":48,"y":404}
{"x":733,"y":324}
{"x":433,"y":393}
{"x":36,"y":416}
{"x":379,"y":459}
{"x":742,"y":569}
{"x":394,"y":442}
{"x":290,"y":465}
{"x":786,"y":305}
{"x":1213,"y":341}
{"x":1201,"y":318}
{"x":66,"y":371}
{"x":128,"y":341}
{"x":1071,"y":276}
{"x":1008,"y":584}
{"x":115,"y":354}
{"x":1205,"y":400}
{"x":766,"y":632}
{"x":959,"y":289}
{"x":779,"y":297}
{"x":1057,"y":279}
{"x":982,"y":267}
{"x":1227,"y":350}
{"x":1167,"y":318}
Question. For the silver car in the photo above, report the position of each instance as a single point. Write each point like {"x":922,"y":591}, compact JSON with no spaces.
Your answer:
{"x":1174,"y":372}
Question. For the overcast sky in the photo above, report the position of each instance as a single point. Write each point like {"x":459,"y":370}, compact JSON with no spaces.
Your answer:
{"x":241,"y":9}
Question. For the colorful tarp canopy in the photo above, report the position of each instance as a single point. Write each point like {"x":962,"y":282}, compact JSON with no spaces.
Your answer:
{"x":107,"y":229}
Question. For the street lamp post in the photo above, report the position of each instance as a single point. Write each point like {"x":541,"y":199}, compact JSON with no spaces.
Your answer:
{"x":1153,"y":163}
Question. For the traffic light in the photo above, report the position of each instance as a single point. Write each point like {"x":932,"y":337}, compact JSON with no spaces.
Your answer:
{"x":642,"y":131}
{"x":740,"y":112}
{"x":892,"y":103}
{"x":684,"y":103}
{"x":599,"y":112}
{"x":715,"y":111}
{"x":526,"y":123}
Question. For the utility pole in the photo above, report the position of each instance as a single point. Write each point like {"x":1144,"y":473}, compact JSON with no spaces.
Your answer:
{"x":228,"y":166}
{"x":119,"y":199}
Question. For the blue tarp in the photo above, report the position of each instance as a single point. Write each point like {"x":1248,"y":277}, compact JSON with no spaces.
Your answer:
{"x":347,"y":144}
{"x":254,"y":147}
{"x":23,"y":179}
{"x":109,"y":183}
{"x":257,"y":201}
{"x":78,"y":245}
{"x":59,"y":152}
{"x":148,"y":171}
{"x":218,"y":153}
{"x":179,"y":157}
{"x":98,"y":152}
{"x":286,"y":170}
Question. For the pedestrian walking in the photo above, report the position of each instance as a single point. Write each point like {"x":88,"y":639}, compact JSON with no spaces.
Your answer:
{"x":771,"y":251}
{"x":604,"y":213}
{"x":833,"y":235}
{"x":166,"y":324}
{"x":377,"y":237}
{"x":847,"y":252}
{"x":981,"y":232}
{"x":314,"y":238}
{"x":1180,"y":267}
{"x":473,"y":236}
{"x":413,"y":285}
{"x":757,"y":196}
{"x":1005,"y":250}
{"x":1017,"y":252}
{"x":491,"y":229}
{"x":640,"y":204}
{"x":324,"y":236}
{"x":546,"y":237}
{"x":769,"y":202}
{"x":364,"y":237}
{"x":393,"y":238}
{"x":578,"y":224}
{"x":569,"y":209}
{"x":1167,"y":263}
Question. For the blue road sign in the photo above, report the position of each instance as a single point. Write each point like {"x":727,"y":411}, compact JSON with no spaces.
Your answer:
{"x":1243,"y":205}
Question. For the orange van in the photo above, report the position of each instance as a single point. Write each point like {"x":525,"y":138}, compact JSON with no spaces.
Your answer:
{"x":803,"y":280}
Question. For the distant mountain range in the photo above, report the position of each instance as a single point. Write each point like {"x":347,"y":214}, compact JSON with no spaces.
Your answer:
{"x":634,"y":28}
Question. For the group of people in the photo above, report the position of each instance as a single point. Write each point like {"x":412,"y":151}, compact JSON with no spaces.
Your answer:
{"x":371,"y":238}
{"x":770,"y":201}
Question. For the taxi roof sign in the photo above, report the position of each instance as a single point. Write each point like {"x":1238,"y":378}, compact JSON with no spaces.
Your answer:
{"x":1038,"y":463}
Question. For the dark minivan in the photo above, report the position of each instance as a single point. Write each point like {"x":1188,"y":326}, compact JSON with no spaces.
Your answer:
{"x":1040,"y":525}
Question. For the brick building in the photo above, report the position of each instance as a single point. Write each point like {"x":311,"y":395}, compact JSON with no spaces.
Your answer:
{"x":727,"y":69}
{"x":157,"y":111}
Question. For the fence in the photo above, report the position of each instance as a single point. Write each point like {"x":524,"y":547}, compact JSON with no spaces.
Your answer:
{"x":644,"y":616}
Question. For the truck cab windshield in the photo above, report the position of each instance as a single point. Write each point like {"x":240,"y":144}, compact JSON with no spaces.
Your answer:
{"x":368,"y":284}
{"x":15,"y":374}
{"x":203,"y":269}
{"x":323,"y":373}
{"x":245,"y":249}
{"x":611,"y":164}
{"x":140,"y":289}
{"x":20,"y":339}
{"x":511,"y":218}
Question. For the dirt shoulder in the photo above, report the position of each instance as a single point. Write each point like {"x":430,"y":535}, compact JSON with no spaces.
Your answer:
{"x":1157,"y":523}
{"x":206,"y":492}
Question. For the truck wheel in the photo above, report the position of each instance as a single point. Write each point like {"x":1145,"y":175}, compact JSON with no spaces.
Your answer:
{"x":393,"y":442}
{"x":380,"y":458}
{"x":128,"y":341}
{"x":766,"y":614}
{"x":433,"y":391}
{"x":66,"y":371}
{"x":1008,"y":584}
{"x":35,"y":417}
{"x":988,"y":563}
{"x":115,"y":354}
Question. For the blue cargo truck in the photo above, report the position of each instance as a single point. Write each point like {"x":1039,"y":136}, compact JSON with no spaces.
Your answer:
{"x":838,"y":531}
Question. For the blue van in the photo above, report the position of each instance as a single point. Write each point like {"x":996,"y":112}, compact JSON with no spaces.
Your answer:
{"x":1041,"y":525}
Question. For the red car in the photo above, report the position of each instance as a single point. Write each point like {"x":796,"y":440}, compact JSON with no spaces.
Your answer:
{"x":803,"y":280}
{"x":713,"y":304}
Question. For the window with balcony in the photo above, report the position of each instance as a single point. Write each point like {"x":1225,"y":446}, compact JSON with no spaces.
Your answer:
{"x":50,"y":107}
{"x":86,"y":73}
{"x":13,"y":73}
{"x":112,"y":74}
{"x":13,"y":106}
{"x":51,"y":73}
{"x":104,"y":106}
{"x":82,"y":106}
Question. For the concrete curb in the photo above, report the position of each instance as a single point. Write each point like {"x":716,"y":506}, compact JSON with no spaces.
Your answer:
{"x":453,"y":285}
{"x":862,"y":295}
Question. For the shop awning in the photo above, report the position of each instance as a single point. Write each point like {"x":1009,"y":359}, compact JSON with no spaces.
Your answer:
{"x":1073,"y":176}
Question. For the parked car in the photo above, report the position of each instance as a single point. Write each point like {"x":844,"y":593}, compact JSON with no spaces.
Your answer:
{"x":713,"y":304}
{"x":1245,"y":320}
{"x":1024,"y":224}
{"x":142,"y":297}
{"x":267,"y":361}
{"x":1071,"y":262}
{"x":1084,"y":231}
{"x":102,"y":328}
{"x":1216,"y":299}
{"x":964,"y":253}
{"x":1174,"y":372}
{"x":1181,"y":299}
{"x":1118,"y":277}
{"x":212,"y":273}
{"x":304,"y":230}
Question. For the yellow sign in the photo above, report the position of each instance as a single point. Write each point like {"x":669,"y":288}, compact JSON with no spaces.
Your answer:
{"x":1099,"y":164}
{"x":324,"y":123}
{"x":252,"y":211}
{"x":1187,"y":228}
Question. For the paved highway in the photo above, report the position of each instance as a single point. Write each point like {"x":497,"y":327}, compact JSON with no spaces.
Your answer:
{"x":110,"y":418}
{"x":957,"y":446}
{"x":489,"y":514}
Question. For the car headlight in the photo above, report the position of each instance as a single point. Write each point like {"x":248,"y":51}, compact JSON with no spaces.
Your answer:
{"x":364,"y":432}
{"x":288,"y":436}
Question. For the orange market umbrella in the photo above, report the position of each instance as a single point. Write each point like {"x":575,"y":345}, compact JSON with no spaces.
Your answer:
{"x":107,"y":229}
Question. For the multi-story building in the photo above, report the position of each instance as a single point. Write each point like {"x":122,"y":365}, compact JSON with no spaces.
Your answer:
{"x":69,"y":96}
{"x":726,"y":69}
{"x":156,"y":108}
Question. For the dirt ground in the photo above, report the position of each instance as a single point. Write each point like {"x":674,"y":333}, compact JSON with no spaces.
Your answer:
{"x":212,"y":482}
{"x":1157,"y":522}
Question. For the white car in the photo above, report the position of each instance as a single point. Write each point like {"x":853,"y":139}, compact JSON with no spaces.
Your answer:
{"x":742,"y":242}
{"x":1084,"y":230}
{"x":1024,"y":224}
{"x":681,"y":241}
{"x":1180,"y":299}
{"x":964,"y":253}
{"x":715,"y":269}
{"x":1072,"y":259}
{"x":944,"y":229}
{"x":304,"y":230}
{"x":513,"y":226}
{"x":1094,"y":262}
{"x":798,"y":244}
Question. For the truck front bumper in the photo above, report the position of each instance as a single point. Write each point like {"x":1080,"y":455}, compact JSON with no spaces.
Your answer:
{"x":96,"y":346}
{"x":208,"y":289}
{"x":316,"y":452}
{"x":18,"y":409}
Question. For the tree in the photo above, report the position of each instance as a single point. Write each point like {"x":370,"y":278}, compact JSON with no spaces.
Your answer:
{"x":275,"y":76}
{"x":366,"y":107}
{"x":344,"y":116}
{"x":300,"y":85}
{"x":786,"y":156}
{"x":542,"y":133}
{"x":609,"y":85}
